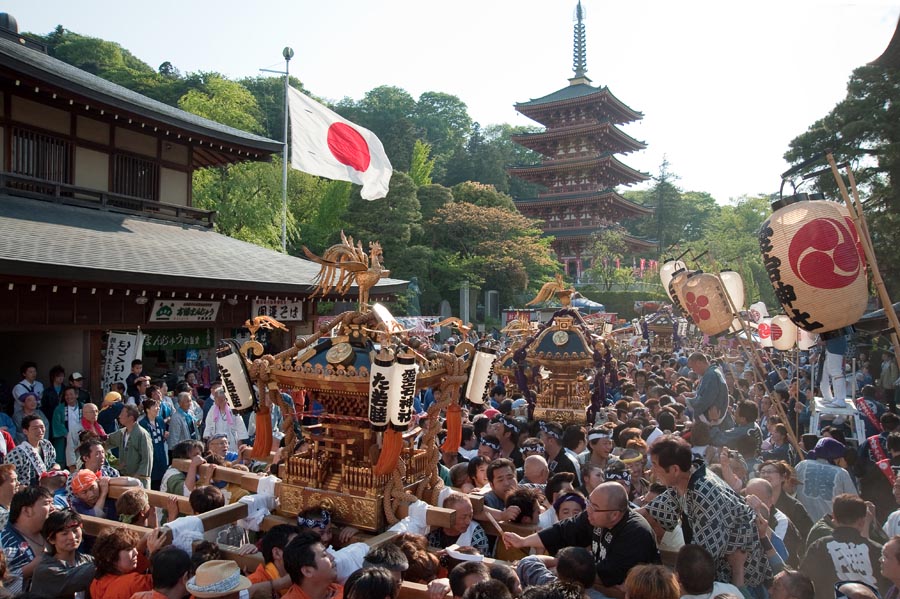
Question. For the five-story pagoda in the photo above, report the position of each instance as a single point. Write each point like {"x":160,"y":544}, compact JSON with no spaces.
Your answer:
{"x":579,"y":170}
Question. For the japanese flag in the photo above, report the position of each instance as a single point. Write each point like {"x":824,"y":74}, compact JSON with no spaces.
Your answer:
{"x":325,"y":144}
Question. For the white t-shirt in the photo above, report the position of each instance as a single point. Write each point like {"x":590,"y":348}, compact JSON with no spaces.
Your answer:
{"x":718,"y":588}
{"x":892,"y":525}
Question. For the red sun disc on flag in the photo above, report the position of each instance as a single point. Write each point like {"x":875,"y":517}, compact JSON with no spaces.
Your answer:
{"x":348,"y":146}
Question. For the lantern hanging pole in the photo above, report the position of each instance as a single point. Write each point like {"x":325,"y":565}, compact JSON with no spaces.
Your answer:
{"x":859,"y":220}
{"x":757,"y":362}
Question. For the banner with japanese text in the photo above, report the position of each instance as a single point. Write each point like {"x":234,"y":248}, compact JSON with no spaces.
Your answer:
{"x":121,"y":349}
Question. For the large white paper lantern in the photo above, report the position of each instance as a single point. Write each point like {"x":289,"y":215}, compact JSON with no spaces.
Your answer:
{"x":814,"y":260}
{"x":666,"y":271}
{"x":764,"y":331}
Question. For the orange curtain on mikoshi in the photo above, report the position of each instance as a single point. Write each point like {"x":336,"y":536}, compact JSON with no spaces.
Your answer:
{"x":703,"y":298}
{"x":454,"y":428}
{"x":815,"y":263}
{"x":262,"y":445}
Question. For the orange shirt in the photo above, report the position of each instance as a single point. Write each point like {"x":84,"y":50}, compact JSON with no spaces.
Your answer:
{"x":295,"y":592}
{"x":121,"y":586}
{"x":266,"y":573}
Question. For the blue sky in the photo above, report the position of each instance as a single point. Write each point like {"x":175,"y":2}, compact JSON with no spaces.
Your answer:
{"x":724,"y":86}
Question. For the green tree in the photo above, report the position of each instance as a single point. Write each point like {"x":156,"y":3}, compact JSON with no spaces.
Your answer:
{"x":392,"y":220}
{"x":444,"y":122}
{"x":224,"y":101}
{"x":607,"y":250}
{"x":731,"y":238}
{"x":421,"y":167}
{"x":482,"y":195}
{"x":269,"y":94}
{"x":324,"y":219}
{"x":497,"y":248}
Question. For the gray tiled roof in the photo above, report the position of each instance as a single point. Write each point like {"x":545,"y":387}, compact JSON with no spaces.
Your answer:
{"x":67,"y":77}
{"x":42,"y":239}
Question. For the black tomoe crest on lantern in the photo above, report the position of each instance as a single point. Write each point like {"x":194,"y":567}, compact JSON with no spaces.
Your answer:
{"x":811,"y":252}
{"x":380,"y":384}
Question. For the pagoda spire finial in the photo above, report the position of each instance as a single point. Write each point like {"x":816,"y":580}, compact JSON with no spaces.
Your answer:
{"x":579,"y":63}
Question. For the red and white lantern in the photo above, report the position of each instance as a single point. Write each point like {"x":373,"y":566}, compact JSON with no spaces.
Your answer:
{"x":784,"y":333}
{"x":764,"y":330}
{"x":704,"y":299}
{"x":815,"y":262}
{"x":676,"y":283}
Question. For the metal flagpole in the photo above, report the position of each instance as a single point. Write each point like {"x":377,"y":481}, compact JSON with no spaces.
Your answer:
{"x":288,"y":54}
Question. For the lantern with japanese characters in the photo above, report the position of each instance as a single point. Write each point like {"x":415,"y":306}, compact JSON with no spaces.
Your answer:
{"x":403,"y":391}
{"x":764,"y":330}
{"x":676,"y":283}
{"x":381,"y":385}
{"x":667,"y":271}
{"x":784,"y":333}
{"x":814,"y":260}
{"x":480,"y":374}
{"x":704,"y":298}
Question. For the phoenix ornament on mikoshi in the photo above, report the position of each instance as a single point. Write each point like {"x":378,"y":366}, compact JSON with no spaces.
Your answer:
{"x":345,"y":263}
{"x":556,"y":287}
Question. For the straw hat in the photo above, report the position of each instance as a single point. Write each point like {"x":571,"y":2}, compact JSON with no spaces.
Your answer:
{"x":217,"y":578}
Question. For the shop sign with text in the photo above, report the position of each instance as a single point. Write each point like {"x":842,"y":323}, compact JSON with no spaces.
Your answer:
{"x":184,"y":311}
{"x":280,"y":310}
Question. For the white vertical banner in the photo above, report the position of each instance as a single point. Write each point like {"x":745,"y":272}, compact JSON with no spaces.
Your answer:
{"x":139,"y":346}
{"x":121,"y":349}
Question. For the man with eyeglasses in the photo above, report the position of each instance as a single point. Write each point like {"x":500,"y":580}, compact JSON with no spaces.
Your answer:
{"x":618,"y":537}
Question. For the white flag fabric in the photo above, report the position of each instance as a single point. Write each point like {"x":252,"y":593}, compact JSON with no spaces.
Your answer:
{"x":325,"y":144}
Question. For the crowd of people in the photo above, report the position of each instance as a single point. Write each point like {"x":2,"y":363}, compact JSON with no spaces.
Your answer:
{"x":698,"y":478}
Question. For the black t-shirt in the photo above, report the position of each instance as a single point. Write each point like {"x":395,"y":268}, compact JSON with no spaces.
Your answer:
{"x":616,"y":550}
{"x":562,"y":463}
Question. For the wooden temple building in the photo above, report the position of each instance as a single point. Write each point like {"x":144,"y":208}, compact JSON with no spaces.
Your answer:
{"x":580,"y":170}
{"x":99,"y":233}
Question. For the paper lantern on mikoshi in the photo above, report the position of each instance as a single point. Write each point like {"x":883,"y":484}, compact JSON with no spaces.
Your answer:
{"x":666,"y":271}
{"x":704,"y":298}
{"x":236,"y":380}
{"x":380,"y":387}
{"x":764,"y":330}
{"x":480,"y":374}
{"x":784,"y":333}
{"x":403,"y":391}
{"x":813,"y":257}
{"x":734,"y":286}
{"x":805,"y":339}
{"x":676,"y":283}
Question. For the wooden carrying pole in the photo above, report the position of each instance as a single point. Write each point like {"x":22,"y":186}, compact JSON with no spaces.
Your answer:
{"x":854,"y":207}
{"x":743,"y":337}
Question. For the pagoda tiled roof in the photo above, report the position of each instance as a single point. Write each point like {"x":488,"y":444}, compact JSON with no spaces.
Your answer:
{"x":534,"y":140}
{"x":537,"y":171}
{"x":573,"y":95}
{"x":583,"y":198}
